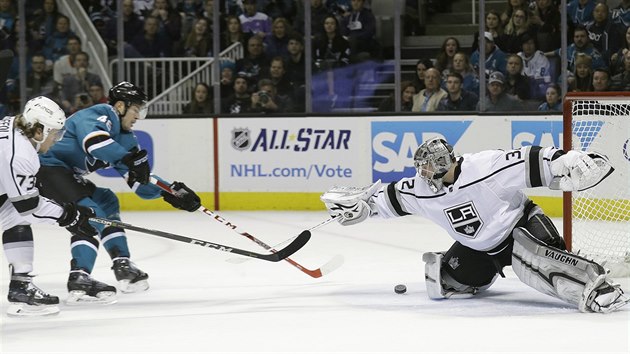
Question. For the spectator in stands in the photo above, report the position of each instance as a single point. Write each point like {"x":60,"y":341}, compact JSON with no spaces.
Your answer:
{"x":621,"y":13}
{"x":496,"y":99}
{"x":199,"y":41}
{"x":458,"y":99}
{"x":581,"y":44}
{"x":495,"y":57}
{"x":517,"y":27}
{"x":240,"y":101}
{"x":97,"y":93}
{"x":254,"y":63}
{"x":7,"y":18}
{"x":580,"y":11}
{"x":412,"y":15}
{"x":295,"y":64}
{"x":547,"y":18}
{"x":132,"y":25}
{"x":39,"y":81}
{"x":151,"y":43}
{"x":511,"y":6}
{"x":277,"y":75}
{"x":275,"y":44}
{"x":601,"y":80}
{"x":617,"y":59}
{"x":581,"y":79}
{"x":318,"y":13}
{"x":421,"y":67}
{"x":606,"y":36}
{"x":359,"y":26}
{"x":65,"y":64}
{"x":444,"y":58}
{"x":536,"y":67}
{"x":42,"y":22}
{"x":462,"y":66}
{"x":427,"y":100}
{"x":227,"y":78}
{"x":407,"y":91}
{"x":621,"y":81}
{"x":515,"y":83}
{"x":254,"y":22}
{"x":267,"y":101}
{"x":233,"y":33}
{"x":493,"y":26}
{"x":55,"y":45}
{"x":331,"y":50}
{"x":143,"y":8}
{"x":169,"y":21}
{"x":77,"y":83}
{"x":553,"y":100}
{"x":201,"y":101}
{"x":278,"y":8}
{"x":189,"y":10}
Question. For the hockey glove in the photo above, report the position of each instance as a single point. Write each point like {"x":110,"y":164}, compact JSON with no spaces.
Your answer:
{"x":76,"y":219}
{"x":184,"y":198}
{"x":139,"y":169}
{"x":577,"y":170}
{"x":349,"y":214}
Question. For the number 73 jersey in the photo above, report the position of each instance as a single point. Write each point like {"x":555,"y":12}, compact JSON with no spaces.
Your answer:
{"x":19,"y":197}
{"x":485,"y":202}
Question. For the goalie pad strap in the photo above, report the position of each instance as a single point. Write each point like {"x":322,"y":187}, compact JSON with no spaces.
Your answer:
{"x":552,"y":271}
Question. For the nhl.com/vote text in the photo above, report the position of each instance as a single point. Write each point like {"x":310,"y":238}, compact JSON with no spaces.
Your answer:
{"x":308,"y":172}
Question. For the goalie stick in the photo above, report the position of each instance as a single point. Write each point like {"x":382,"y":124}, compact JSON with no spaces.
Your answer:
{"x":293,"y":247}
{"x":330,"y":266}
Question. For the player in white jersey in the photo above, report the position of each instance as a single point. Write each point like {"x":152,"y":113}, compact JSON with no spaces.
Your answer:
{"x":478,"y":199}
{"x":21,"y":138}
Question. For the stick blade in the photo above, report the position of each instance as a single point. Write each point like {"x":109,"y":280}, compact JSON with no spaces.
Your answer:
{"x":293,"y":247}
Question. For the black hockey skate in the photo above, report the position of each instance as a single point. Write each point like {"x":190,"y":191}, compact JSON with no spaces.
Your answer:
{"x":130,"y":278}
{"x":26,"y":299}
{"x":82,"y":288}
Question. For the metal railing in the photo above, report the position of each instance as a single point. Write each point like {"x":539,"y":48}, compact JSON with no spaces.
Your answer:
{"x":169,"y":82}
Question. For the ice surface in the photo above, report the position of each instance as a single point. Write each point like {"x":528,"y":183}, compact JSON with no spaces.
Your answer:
{"x":199,"y":302}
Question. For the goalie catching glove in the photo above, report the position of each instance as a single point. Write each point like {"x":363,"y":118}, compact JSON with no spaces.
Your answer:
{"x":182,"y":197}
{"x":350,"y":205}
{"x":578,"y":171}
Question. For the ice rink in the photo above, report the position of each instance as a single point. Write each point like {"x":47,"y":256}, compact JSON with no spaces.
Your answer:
{"x":201,"y":302}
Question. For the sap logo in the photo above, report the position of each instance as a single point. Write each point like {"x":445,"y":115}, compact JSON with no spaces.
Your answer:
{"x":464,"y":219}
{"x":543,"y":133}
{"x":145,"y":142}
{"x":303,"y":139}
{"x":394,"y":144}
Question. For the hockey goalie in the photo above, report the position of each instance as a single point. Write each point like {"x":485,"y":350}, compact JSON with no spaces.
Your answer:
{"x":478,"y":200}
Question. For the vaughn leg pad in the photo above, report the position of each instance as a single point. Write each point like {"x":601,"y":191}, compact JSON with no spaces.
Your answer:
{"x":563,"y":275}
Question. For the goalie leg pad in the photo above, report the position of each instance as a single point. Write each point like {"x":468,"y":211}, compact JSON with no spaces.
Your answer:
{"x":541,"y":227}
{"x":563,"y":275}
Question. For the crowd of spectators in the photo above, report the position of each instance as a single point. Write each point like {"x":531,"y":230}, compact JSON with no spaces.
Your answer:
{"x":522,"y":52}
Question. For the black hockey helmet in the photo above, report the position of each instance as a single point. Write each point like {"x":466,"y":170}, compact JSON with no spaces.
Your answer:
{"x":129,"y":94}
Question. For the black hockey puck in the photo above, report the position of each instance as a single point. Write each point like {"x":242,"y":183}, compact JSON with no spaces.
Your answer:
{"x":400,"y":289}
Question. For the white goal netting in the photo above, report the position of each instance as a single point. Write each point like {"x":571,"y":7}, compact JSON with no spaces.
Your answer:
{"x":600,"y":216}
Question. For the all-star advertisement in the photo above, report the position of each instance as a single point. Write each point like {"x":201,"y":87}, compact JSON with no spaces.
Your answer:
{"x":291,"y":154}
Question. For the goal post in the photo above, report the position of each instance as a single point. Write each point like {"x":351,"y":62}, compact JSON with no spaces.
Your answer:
{"x":596,"y":222}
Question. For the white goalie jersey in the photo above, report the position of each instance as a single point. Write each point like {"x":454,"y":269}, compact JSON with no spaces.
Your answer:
{"x":20,"y":202}
{"x":485,"y":202}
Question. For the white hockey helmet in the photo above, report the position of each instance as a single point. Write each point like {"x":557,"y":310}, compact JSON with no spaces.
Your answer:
{"x":46,"y":112}
{"x":433,"y":159}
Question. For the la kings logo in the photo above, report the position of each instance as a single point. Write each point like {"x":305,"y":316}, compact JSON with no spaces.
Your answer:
{"x":464,"y":219}
{"x":240,"y":138}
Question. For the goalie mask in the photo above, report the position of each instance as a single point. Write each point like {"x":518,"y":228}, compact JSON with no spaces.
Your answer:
{"x":433,"y":159}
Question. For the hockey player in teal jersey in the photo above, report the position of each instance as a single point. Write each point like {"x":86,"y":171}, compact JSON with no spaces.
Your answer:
{"x":100,"y":137}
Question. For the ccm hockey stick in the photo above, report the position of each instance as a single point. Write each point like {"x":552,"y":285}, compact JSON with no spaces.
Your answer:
{"x":330,"y":266}
{"x":293,"y":247}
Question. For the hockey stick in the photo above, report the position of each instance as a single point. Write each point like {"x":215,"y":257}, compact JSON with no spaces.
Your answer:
{"x":298,"y":243}
{"x":330,"y":266}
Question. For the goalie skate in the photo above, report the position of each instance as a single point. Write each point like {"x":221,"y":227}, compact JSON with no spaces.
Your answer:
{"x":83,"y":289}
{"x":130,"y":278}
{"x":26,"y":299}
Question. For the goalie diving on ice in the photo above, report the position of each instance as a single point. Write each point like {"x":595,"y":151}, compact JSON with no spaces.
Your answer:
{"x":478,"y":200}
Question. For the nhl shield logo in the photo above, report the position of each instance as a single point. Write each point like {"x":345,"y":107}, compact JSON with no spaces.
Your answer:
{"x":240,"y":138}
{"x":464,"y":219}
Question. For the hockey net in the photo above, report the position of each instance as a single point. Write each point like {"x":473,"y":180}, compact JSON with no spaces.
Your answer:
{"x":596,"y":221}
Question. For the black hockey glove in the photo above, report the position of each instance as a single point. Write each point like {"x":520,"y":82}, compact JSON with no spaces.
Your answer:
{"x":184,"y":197}
{"x":139,"y":170}
{"x":75,"y":218}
